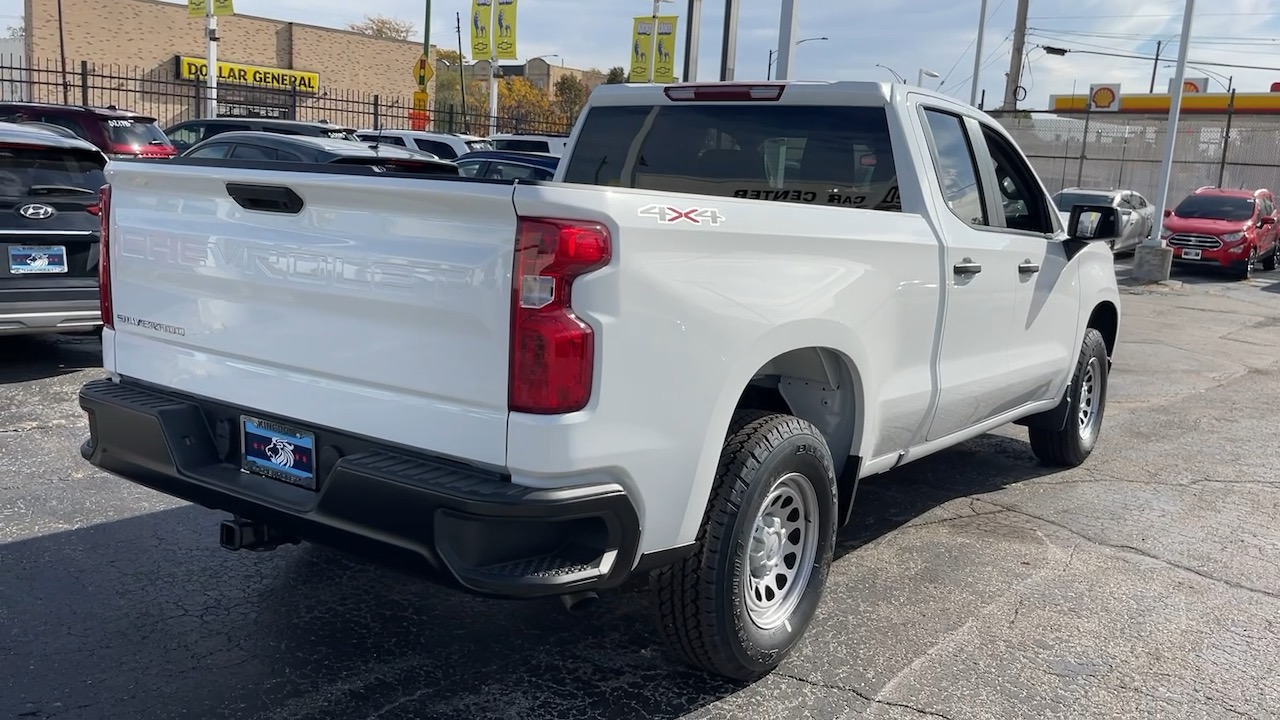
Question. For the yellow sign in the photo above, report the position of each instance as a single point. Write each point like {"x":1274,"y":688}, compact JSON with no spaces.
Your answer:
{"x":191,"y":68}
{"x":481,"y":14}
{"x":421,"y":100}
{"x":505,"y":30}
{"x":641,"y":46}
{"x":664,"y":50}
{"x":422,"y":71}
{"x":198,"y":8}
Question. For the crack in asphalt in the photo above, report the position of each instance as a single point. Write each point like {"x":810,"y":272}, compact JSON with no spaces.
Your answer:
{"x":1142,"y":553}
{"x":864,"y":696}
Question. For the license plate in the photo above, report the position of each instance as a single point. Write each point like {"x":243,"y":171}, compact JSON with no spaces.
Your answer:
{"x":1190,"y":254}
{"x":278,"y":452}
{"x":37,"y":259}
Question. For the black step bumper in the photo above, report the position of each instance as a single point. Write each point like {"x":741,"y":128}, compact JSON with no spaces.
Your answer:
{"x":463,"y":526}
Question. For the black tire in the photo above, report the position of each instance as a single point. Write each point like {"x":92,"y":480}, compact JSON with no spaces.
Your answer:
{"x":1246,"y":267}
{"x":1071,"y":445}
{"x":1269,"y":263}
{"x":702,"y":601}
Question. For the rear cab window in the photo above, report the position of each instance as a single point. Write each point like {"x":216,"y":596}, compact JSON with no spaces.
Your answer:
{"x":803,"y":154}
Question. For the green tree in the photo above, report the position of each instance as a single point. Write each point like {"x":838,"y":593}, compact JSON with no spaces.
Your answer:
{"x":616,"y":75}
{"x":522,"y":105}
{"x":570,"y":97}
{"x":383,"y":27}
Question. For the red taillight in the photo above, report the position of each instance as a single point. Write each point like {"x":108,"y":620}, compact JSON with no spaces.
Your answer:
{"x":724,"y":93}
{"x":552,"y":350}
{"x":104,"y":257}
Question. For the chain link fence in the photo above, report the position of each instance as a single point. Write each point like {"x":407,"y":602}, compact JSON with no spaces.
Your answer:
{"x":159,"y":93}
{"x":1106,"y":150}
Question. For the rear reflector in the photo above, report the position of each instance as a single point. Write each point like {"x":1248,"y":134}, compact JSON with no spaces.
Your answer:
{"x":725,"y":92}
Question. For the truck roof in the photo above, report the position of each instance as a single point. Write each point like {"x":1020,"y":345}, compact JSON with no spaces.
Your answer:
{"x":854,"y":92}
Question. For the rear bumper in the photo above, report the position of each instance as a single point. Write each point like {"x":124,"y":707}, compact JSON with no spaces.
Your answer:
{"x":462,"y":526}
{"x":55,"y":316}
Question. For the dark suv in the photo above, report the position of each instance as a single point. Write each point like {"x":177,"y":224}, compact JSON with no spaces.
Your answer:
{"x":116,"y":132}
{"x":49,"y":228}
{"x":186,"y":135}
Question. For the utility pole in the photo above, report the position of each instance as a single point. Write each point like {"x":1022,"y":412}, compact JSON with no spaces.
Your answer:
{"x":1014,"y":80}
{"x":211,"y":35}
{"x":493,"y":70}
{"x":462,"y":78}
{"x":692,"y":32}
{"x":1154,"y":65}
{"x":1153,"y":258}
{"x":426,"y":52}
{"x":786,"y":38}
{"x":729,"y":48}
{"x":977,"y":54}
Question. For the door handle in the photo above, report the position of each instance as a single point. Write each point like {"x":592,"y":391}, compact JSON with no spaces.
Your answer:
{"x":1027,"y":267}
{"x":265,"y":198}
{"x":967,"y":267}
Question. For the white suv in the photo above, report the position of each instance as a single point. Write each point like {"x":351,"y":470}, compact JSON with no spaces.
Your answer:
{"x":446,"y":146}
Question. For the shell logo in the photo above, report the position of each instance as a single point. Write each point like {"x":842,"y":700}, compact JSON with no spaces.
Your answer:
{"x":1103,"y":97}
{"x":1190,"y":86}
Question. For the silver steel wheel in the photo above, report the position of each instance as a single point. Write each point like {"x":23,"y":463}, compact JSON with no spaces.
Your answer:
{"x":781,"y":552}
{"x":1090,"y":400}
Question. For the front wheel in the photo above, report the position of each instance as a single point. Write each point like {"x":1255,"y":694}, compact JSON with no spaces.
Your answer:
{"x":740,"y":604}
{"x":1269,"y":263}
{"x":1246,"y":270}
{"x":1072,"y":444}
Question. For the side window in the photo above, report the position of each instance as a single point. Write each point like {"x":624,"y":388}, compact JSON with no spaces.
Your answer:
{"x":439,"y":149}
{"x":510,"y":171}
{"x":186,"y":136}
{"x":1124,"y":202}
{"x":69,"y":123}
{"x":1139,"y":201}
{"x":286,"y":156}
{"x":218,"y":128}
{"x":252,"y":152}
{"x":957,"y":168}
{"x":216,"y":150}
{"x":1024,"y":206}
{"x":471,"y":169}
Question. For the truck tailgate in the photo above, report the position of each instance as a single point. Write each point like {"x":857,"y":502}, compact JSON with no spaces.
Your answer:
{"x":381,"y":307}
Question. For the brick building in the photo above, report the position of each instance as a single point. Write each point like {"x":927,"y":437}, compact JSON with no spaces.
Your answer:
{"x":150,"y":52}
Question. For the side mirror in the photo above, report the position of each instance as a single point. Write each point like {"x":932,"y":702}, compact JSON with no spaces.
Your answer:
{"x":1267,"y":220}
{"x":1168,"y":212}
{"x":1089,"y":224}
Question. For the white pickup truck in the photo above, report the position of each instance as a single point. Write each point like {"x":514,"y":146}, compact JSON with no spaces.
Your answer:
{"x":676,"y":359}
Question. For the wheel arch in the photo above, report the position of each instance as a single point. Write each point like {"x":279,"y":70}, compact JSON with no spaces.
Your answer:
{"x":817,"y":372}
{"x":1105,"y":318}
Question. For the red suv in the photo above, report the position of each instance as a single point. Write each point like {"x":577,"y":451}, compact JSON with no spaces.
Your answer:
{"x":118,"y":133}
{"x":1230,"y":229}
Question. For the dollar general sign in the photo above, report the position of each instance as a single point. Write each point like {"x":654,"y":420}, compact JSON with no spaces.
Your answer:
{"x":193,"y":68}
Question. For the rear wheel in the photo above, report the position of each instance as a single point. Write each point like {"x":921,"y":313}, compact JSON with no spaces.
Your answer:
{"x":1269,"y":263}
{"x":1087,"y":400}
{"x":740,"y":604}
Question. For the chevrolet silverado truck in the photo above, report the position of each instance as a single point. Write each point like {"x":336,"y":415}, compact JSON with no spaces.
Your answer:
{"x":674,"y":361}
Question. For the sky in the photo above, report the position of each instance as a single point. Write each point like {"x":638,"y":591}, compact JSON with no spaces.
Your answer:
{"x":906,"y":35}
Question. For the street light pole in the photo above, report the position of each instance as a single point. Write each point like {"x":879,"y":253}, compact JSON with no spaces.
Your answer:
{"x":211,"y":34}
{"x":894,"y":73}
{"x":977,"y":55}
{"x":692,"y":33}
{"x":1153,"y":259}
{"x":923,"y":74}
{"x":729,"y":46}
{"x":786,"y":38}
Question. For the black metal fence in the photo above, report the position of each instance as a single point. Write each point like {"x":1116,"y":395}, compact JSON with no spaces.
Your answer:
{"x":159,"y":92}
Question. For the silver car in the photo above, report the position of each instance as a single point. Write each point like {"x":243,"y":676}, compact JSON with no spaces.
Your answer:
{"x":1136,"y":213}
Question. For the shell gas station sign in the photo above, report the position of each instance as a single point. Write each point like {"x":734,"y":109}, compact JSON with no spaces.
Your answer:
{"x":1197,"y":99}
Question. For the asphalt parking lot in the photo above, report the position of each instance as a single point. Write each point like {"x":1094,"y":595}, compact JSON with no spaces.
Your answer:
{"x":973,"y":584}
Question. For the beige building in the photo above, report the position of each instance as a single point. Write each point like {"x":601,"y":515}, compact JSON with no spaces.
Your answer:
{"x":538,"y":71}
{"x":150,"y":53}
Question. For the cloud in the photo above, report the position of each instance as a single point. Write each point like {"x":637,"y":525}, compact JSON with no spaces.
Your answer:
{"x":905,"y":35}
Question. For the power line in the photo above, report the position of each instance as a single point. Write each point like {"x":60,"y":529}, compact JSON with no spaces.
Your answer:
{"x":1150,"y":15}
{"x":1199,"y":40}
{"x":1152,"y":58}
{"x":1075,"y":41}
{"x":991,"y":58}
{"x":967,"y":47}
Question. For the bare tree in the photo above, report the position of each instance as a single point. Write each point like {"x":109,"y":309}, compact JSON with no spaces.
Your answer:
{"x":17,"y":31}
{"x":384,"y":27}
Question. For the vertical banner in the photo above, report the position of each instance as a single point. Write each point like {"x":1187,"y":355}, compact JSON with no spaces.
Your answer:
{"x":481,"y":14}
{"x":199,"y":8}
{"x":505,"y":30}
{"x":641,"y":46}
{"x":664,"y":52}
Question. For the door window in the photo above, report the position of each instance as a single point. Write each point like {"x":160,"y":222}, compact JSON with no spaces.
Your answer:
{"x":186,"y":136}
{"x":512,"y":171}
{"x":957,"y":169}
{"x":252,"y":152}
{"x":220,"y":127}
{"x":216,"y":150}
{"x":1024,"y":206}
{"x":470,"y":169}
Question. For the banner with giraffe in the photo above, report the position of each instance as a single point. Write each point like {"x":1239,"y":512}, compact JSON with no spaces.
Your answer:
{"x":481,"y":17}
{"x":641,"y":48}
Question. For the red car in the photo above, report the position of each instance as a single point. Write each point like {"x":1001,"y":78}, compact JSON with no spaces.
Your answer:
{"x":1225,"y":228}
{"x":118,"y":133}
